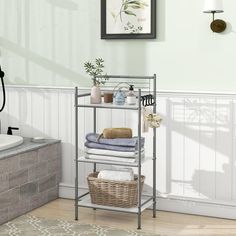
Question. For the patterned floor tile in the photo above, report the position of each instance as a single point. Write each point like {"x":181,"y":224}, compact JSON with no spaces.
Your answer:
{"x":33,"y":226}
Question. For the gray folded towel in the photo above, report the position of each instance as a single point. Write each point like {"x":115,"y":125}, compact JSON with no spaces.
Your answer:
{"x":110,"y":147}
{"x":124,"y":142}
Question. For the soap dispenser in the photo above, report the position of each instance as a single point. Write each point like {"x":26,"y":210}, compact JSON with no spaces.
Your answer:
{"x":131,"y":97}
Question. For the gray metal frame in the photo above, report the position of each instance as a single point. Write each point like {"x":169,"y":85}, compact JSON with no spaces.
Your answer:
{"x":138,"y":165}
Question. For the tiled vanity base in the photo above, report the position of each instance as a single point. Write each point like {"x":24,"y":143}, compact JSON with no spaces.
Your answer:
{"x":28,"y":179}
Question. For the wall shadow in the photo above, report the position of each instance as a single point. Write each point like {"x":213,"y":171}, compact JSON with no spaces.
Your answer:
{"x":209,"y":124}
{"x":121,"y":56}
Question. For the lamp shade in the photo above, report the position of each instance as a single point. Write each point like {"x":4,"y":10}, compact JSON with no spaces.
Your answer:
{"x":211,"y":6}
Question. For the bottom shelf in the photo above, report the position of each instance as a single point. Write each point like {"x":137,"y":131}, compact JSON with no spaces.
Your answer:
{"x":146,"y":202}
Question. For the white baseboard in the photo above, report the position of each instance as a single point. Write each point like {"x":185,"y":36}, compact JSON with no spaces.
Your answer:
{"x":66,"y":191}
{"x":197,"y":207}
{"x":180,"y":205}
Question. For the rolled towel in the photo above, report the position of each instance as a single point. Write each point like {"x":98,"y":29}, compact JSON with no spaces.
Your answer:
{"x":126,"y":142}
{"x":116,"y":175}
{"x":113,"y":133}
{"x":104,"y":152}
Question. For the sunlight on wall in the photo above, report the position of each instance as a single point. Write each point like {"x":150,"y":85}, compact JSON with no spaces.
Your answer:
{"x":46,"y":42}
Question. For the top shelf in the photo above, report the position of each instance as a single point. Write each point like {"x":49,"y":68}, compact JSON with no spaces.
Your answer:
{"x":140,"y":82}
{"x":109,"y":106}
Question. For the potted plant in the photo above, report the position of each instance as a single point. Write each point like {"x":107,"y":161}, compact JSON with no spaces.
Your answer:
{"x":94,"y":70}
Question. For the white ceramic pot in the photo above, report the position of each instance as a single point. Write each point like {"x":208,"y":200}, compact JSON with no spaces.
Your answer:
{"x":96,"y":97}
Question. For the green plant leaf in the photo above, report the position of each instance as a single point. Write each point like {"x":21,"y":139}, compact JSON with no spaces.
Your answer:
{"x":134,"y":2}
{"x":130,"y":13}
{"x":94,"y":70}
{"x":126,"y":7}
{"x":113,"y":14}
{"x":144,"y":4}
{"x":136,"y":7}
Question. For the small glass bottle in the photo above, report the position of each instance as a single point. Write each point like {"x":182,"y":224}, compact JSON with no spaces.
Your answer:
{"x":131,"y":97}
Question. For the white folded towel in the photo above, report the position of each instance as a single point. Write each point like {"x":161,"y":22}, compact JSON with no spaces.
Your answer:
{"x":109,"y":158}
{"x":116,"y":175}
{"x":111,"y":153}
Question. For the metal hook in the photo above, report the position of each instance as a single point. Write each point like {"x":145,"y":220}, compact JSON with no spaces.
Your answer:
{"x":148,"y":100}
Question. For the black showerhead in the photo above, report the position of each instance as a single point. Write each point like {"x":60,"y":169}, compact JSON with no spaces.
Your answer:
{"x":2,"y":74}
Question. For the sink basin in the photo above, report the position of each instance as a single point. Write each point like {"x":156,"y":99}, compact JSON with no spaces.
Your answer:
{"x":9,"y":141}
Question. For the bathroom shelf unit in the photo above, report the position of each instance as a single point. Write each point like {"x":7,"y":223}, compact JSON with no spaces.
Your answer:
{"x":144,"y":202}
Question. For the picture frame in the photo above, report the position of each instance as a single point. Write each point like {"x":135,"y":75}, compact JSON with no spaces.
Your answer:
{"x":128,"y":19}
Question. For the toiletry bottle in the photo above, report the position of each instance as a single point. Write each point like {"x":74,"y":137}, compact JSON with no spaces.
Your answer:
{"x":131,"y":97}
{"x":120,"y":97}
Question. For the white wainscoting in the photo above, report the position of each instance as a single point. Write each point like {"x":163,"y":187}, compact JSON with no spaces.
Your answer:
{"x":196,"y":171}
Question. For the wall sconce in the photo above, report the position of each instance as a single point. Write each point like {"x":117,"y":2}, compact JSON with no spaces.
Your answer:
{"x":215,"y":6}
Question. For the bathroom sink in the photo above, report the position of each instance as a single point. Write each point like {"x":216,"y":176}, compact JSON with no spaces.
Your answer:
{"x":9,"y":141}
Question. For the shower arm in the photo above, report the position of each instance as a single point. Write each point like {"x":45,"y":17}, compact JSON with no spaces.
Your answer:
{"x":2,"y":74}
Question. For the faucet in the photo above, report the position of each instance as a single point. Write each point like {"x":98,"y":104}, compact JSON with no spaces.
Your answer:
{"x":9,"y":130}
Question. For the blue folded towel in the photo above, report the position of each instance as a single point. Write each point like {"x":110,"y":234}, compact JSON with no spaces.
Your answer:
{"x":124,"y":142}
{"x":110,"y":147}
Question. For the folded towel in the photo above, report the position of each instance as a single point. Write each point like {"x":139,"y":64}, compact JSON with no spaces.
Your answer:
{"x":109,"y":147}
{"x":116,"y":175}
{"x":104,"y":152}
{"x":126,"y":142}
{"x":106,"y":158}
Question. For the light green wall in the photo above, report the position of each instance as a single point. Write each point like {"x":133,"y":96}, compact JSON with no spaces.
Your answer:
{"x":45,"y":42}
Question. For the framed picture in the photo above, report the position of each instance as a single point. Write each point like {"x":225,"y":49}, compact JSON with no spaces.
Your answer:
{"x":128,"y":19}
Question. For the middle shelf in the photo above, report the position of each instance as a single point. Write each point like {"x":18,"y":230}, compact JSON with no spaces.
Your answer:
{"x":107,"y":162}
{"x":109,"y":106}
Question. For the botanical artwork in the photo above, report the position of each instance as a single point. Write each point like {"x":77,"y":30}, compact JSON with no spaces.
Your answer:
{"x":129,"y":17}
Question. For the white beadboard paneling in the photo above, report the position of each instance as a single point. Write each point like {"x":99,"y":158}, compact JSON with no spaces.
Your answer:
{"x":72,"y":125}
{"x":223,"y":147}
{"x":207,"y":156}
{"x":163,"y":141}
{"x":104,"y":120}
{"x":118,"y":118}
{"x":37,"y":113}
{"x":13,"y":111}
{"x":25,"y":110}
{"x":81,"y":139}
{"x":65,"y":118}
{"x":4,"y":116}
{"x":191,"y":152}
{"x":195,"y":144}
{"x":234,"y":150}
{"x":176,"y":158}
{"x":131,"y":121}
{"x":51,"y":113}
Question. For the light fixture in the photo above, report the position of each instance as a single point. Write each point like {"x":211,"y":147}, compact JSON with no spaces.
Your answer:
{"x":215,"y":6}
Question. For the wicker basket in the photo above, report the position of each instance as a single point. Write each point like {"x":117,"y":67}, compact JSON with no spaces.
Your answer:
{"x":114,"y":193}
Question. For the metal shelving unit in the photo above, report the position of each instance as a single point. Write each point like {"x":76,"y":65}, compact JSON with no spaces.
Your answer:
{"x":144,"y":201}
